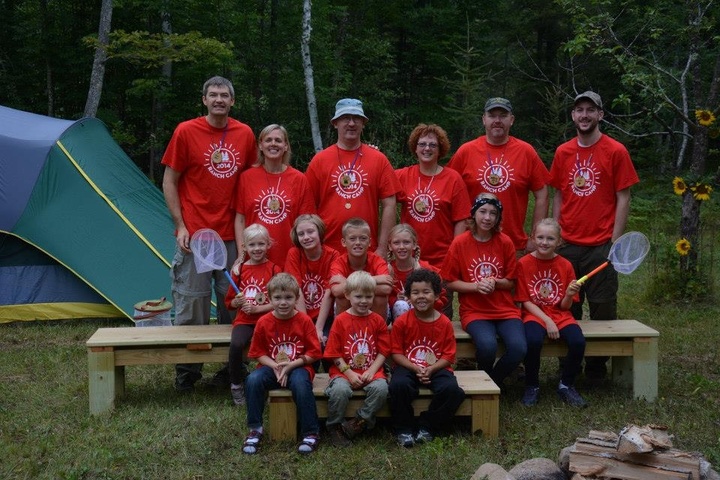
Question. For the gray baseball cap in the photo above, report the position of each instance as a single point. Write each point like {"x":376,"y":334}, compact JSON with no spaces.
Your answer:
{"x":592,"y":96}
{"x":498,"y":102}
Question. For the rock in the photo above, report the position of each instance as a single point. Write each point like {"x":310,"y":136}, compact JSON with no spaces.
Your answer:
{"x":707,"y":472}
{"x":491,"y":471}
{"x":537,"y":469}
{"x":564,"y":459}
{"x":577,"y":476}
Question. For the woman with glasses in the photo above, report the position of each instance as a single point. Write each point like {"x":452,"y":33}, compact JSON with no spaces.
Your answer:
{"x":434,"y":199}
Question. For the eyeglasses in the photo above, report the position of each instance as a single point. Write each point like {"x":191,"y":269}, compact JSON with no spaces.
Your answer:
{"x":431,"y":146}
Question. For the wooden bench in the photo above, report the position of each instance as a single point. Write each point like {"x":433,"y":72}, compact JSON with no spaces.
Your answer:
{"x":632,"y":346}
{"x":481,"y":404}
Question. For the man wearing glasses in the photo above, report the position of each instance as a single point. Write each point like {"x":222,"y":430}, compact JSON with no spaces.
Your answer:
{"x":507,"y":167}
{"x":351,"y":179}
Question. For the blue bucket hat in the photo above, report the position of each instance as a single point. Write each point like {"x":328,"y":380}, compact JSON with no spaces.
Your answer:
{"x":349,"y":106}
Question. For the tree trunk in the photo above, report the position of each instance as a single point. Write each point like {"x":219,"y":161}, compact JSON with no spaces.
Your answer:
{"x":309,"y":78}
{"x":98,"y":70}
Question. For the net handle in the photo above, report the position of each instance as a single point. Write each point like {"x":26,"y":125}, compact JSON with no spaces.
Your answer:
{"x":585,"y":278}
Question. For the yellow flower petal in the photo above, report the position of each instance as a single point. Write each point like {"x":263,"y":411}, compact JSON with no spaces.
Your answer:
{"x":683,"y":246}
{"x":679,"y":186}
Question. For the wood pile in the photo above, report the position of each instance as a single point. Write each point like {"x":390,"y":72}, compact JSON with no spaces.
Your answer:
{"x":636,"y":453}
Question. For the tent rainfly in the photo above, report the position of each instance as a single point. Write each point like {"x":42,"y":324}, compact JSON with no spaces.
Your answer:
{"x":83,"y":232}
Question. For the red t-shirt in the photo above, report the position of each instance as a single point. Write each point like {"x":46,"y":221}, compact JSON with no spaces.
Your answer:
{"x":252,"y":283}
{"x":399,"y":278}
{"x":423,"y":343}
{"x":274,"y":200}
{"x":312,"y":276}
{"x":544,"y":283}
{"x":374,"y":265}
{"x":588,"y":179}
{"x":470,"y":260}
{"x":358,"y":341}
{"x":510,"y":171}
{"x":347,"y":184}
{"x":207,"y":182}
{"x":432,"y":205}
{"x":290,"y":338}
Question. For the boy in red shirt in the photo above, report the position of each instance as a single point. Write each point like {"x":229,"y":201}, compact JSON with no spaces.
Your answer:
{"x":356,"y":239}
{"x":285,"y":346}
{"x":358,"y":345}
{"x":422,"y":344}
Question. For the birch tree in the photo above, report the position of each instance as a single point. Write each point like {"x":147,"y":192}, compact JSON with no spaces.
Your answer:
{"x":98,"y":70}
{"x":309,"y":77}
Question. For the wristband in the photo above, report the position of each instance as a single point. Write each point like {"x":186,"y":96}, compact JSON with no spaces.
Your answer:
{"x":344,"y":368}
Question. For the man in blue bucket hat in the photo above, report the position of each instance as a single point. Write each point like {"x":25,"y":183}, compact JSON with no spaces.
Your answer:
{"x":351,"y":179}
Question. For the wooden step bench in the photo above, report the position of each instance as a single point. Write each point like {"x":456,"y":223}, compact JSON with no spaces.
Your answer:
{"x":481,"y":404}
{"x":632,"y":346}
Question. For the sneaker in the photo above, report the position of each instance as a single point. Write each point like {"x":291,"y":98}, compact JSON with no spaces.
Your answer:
{"x":309,"y":444}
{"x":405,"y":440}
{"x":571,"y":396}
{"x":237,"y":391}
{"x":423,"y":436}
{"x":251,"y":445}
{"x":336,"y":437}
{"x":530,"y":397}
{"x":354,"y":427}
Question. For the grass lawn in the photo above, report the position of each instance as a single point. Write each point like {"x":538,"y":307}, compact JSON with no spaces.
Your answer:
{"x":154,"y":433}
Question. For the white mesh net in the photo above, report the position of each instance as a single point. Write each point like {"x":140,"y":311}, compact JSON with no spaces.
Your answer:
{"x":209,"y":252}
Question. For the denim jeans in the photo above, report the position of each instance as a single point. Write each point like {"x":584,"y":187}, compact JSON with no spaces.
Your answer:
{"x":339,"y":392}
{"x":484,"y":335}
{"x":573,"y":337}
{"x":263,"y":379}
{"x":404,"y":388}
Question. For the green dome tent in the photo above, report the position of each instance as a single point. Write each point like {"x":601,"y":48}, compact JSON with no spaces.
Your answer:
{"x":83,"y":232}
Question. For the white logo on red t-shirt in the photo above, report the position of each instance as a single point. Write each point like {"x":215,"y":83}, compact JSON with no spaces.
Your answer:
{"x":545,"y":288}
{"x":313,"y":291}
{"x":584,"y":179}
{"x":349,"y":182}
{"x":496,"y":177}
{"x":423,"y":205}
{"x":272,"y":206}
{"x":360,"y":349}
{"x":486,"y":266}
{"x":253,"y":291}
{"x":229,"y":163}
{"x":419,"y":351}
{"x":289,"y":346}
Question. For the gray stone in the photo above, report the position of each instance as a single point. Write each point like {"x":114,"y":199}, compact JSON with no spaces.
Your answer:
{"x":491,"y":471}
{"x":564,"y":459}
{"x":537,"y":469}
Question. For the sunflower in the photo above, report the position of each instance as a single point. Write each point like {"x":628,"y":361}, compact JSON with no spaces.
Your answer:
{"x":683,"y":246}
{"x":701,"y":191}
{"x":704,"y":117}
{"x":679,"y":185}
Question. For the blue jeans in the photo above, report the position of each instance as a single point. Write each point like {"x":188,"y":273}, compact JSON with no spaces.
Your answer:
{"x":263,"y":379}
{"x":572,"y":335}
{"x":484,"y":335}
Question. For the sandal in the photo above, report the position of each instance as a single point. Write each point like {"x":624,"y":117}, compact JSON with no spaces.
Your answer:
{"x":252,"y":442}
{"x":309,"y":444}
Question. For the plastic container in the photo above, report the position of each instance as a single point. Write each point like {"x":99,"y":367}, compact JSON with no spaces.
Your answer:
{"x":153,"y":313}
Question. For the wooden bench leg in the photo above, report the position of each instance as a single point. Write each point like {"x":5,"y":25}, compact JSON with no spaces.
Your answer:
{"x":485,"y":415}
{"x":105,"y":380}
{"x":645,"y":368}
{"x":283,"y":419}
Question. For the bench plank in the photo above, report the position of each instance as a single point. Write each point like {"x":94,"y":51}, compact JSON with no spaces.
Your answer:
{"x":632,"y":345}
{"x":481,"y":404}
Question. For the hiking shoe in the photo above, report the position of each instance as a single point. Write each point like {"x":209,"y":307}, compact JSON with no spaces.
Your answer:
{"x":405,"y":440}
{"x":530,"y":397}
{"x":336,"y":437}
{"x":571,"y":396}
{"x":237,"y":391}
{"x":423,"y":436}
{"x":354,"y":427}
{"x":221,"y":379}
